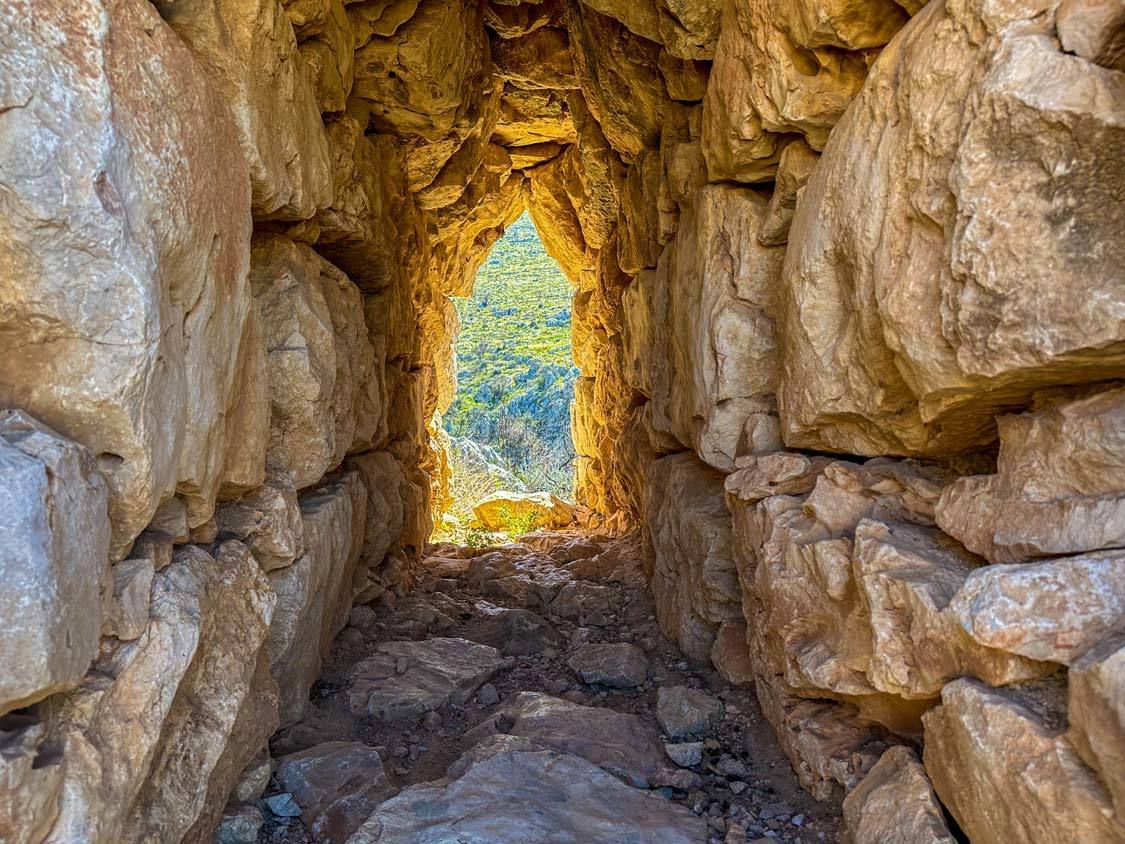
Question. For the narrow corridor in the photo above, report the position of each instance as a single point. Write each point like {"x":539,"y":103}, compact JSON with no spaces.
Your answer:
{"x":488,"y":699}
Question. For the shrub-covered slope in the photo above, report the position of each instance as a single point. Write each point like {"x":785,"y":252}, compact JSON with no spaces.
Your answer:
{"x":514,"y":366}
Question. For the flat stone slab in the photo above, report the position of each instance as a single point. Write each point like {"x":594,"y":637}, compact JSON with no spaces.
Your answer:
{"x":405,"y":680}
{"x":590,"y":605}
{"x":619,"y":665}
{"x":530,"y":797}
{"x":514,"y":632}
{"x":684,"y":712}
{"x":619,"y":743}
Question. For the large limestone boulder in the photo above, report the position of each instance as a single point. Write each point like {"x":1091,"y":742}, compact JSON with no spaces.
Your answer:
{"x":907,"y":323}
{"x":424,"y":76}
{"x":337,"y":784}
{"x":722,"y":350}
{"x":786,"y":69}
{"x":538,"y":116}
{"x":620,"y":744}
{"x":144,"y":197}
{"x":1096,"y":714}
{"x":29,"y":802}
{"x":1059,"y":486}
{"x":641,"y":17}
{"x":600,"y":175}
{"x":849,"y":591}
{"x":806,"y":64}
{"x":690,"y":28}
{"x":371,"y":223}
{"x":54,"y":556}
{"x":385,"y":484}
{"x":540,"y":59}
{"x":314,"y":594}
{"x":736,"y":144}
{"x":895,"y":804}
{"x":515,"y":20}
{"x":552,"y":208}
{"x":323,"y":388}
{"x":1001,"y":765}
{"x":267,"y":520}
{"x":528,"y":510}
{"x":250,"y":52}
{"x":794,"y":167}
{"x":405,"y":680}
{"x":694,"y":582}
{"x":1051,"y":610}
{"x":326,"y":41}
{"x":638,"y":244}
{"x":619,"y":74}
{"x":830,"y":745}
{"x":157,"y":736}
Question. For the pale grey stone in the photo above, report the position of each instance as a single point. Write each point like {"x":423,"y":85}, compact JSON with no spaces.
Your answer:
{"x":54,"y":559}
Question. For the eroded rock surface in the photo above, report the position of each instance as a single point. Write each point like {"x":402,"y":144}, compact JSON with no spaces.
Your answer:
{"x":1002,"y":766}
{"x":572,"y":799}
{"x":54,"y":553}
{"x":230,"y":231}
{"x":407,"y":680}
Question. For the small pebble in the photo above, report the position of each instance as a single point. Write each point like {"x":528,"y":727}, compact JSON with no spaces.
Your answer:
{"x":685,"y":754}
{"x":487,"y":696}
{"x":283,"y":806}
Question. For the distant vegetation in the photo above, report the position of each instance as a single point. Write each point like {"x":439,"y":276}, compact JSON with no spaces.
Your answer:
{"x":510,"y":421}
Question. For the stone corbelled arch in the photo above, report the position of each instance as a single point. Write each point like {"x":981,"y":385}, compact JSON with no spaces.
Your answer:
{"x":848,"y":311}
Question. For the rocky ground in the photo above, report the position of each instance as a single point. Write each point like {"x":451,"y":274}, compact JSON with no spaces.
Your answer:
{"x":524,"y":694}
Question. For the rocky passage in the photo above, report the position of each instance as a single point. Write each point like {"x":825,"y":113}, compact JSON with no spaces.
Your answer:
{"x":524,"y":694}
{"x":849,"y":313}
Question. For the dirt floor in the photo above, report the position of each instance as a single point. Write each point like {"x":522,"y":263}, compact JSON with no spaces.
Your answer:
{"x":744,"y":786}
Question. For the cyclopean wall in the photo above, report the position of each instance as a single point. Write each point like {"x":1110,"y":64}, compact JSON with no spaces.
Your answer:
{"x":848,"y":308}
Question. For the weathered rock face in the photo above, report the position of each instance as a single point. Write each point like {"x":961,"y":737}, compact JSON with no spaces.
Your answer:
{"x":1096,"y":712}
{"x":229,"y":235}
{"x":895,"y":804}
{"x":250,"y":52}
{"x":1000,"y":764}
{"x":867,"y":367}
{"x":433,"y":674}
{"x":694,"y":580}
{"x":54,"y":553}
{"x":151,"y":204}
{"x":620,"y":77}
{"x":1059,"y":486}
{"x":1054,"y":610}
{"x":337,"y":785}
{"x":574,"y":800}
{"x":850,"y":593}
{"x":324,"y":397}
{"x":721,"y":346}
{"x":370,"y":225}
{"x":174,"y":693}
{"x":314,"y":594}
{"x":619,"y":744}
{"x":268,"y":520}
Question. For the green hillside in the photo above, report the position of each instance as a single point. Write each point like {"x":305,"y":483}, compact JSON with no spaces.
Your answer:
{"x":514,"y":365}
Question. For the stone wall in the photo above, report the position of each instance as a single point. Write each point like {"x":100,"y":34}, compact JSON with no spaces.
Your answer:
{"x":849,"y":311}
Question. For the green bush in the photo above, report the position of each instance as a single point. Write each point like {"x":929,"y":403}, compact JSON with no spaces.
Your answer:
{"x":518,"y":525}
